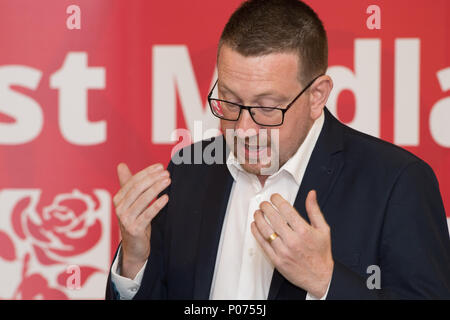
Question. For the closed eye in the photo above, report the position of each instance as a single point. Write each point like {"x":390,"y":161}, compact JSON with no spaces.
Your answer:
{"x":268,"y":110}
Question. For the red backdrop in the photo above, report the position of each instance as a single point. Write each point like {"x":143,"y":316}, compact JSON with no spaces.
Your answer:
{"x":76,"y":102}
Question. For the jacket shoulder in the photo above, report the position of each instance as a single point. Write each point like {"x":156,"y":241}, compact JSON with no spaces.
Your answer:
{"x":375,"y":152}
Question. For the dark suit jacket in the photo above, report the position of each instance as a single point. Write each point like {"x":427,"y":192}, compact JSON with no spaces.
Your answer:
{"x":382,"y":203}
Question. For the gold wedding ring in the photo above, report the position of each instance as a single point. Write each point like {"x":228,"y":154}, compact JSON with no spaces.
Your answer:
{"x":272,"y":237}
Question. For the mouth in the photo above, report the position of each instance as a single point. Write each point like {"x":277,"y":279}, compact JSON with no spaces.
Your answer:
{"x":254,"y":151}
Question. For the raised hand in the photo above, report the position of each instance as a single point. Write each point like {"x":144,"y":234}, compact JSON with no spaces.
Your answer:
{"x":135,"y":215}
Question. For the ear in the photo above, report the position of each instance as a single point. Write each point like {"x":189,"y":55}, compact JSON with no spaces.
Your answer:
{"x":319,"y":93}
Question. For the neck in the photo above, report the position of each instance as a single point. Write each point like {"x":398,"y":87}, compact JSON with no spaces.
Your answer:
{"x":262,"y":179}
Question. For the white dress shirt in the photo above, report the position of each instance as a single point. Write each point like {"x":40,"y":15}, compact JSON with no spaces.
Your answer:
{"x":242,"y":269}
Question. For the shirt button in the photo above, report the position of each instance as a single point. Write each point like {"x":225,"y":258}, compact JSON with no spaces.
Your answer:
{"x":258,"y":197}
{"x":251,"y":252}
{"x":134,"y":289}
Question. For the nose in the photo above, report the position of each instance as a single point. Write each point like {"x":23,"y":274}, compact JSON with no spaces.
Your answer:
{"x":245,"y":123}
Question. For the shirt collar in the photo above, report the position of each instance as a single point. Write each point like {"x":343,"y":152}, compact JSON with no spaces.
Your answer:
{"x":296,"y":165}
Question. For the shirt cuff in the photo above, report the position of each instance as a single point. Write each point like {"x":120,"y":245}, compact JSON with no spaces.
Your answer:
{"x":311,"y":297}
{"x":126,"y":287}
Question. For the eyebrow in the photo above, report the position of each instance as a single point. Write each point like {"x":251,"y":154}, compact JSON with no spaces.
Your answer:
{"x":260,"y":95}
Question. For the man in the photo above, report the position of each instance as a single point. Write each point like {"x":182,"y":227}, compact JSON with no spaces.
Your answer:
{"x":337,"y":204}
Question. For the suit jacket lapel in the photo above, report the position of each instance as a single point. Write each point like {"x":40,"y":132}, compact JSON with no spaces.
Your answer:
{"x":215,"y":198}
{"x":323,"y":169}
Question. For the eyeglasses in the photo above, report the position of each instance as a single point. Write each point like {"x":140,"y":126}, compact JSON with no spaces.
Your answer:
{"x":264,"y":116}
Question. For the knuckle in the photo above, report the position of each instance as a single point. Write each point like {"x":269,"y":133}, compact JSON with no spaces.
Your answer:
{"x":264,"y":205}
{"x":283,"y":255}
{"x":151,"y":168}
{"x":302,"y":232}
{"x":154,"y":175}
{"x":258,"y":221}
{"x":277,"y":261}
{"x":149,"y":214}
{"x":116,"y":199}
{"x":140,"y":187}
{"x":150,"y":174}
{"x":155,"y":167}
{"x":119,"y":211}
{"x":124,"y":219}
{"x":274,"y":197}
{"x":285,"y":207}
{"x":160,"y":186}
{"x":148,"y":181}
{"x":131,"y":191}
{"x":164,"y":181}
{"x":159,"y":204}
{"x":291,"y":243}
{"x":150,"y":194}
{"x":135,"y":189}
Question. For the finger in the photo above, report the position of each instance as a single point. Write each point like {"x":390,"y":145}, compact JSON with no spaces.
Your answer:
{"x":147,"y":197}
{"x":135,"y":179}
{"x":270,"y":252}
{"x":140,"y":187}
{"x":314,"y":213}
{"x":293,"y":218}
{"x":124,"y":173}
{"x":278,"y":223}
{"x":266,"y":230}
{"x":150,"y":213}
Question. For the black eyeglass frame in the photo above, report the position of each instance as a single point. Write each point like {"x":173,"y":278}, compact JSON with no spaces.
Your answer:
{"x":249,"y":108}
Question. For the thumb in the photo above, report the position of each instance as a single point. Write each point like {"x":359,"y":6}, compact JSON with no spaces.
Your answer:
{"x":124,"y":173}
{"x":314,"y":213}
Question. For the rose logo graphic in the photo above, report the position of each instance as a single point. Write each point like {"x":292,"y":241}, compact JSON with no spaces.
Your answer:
{"x":65,"y":228}
{"x":46,"y":239}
